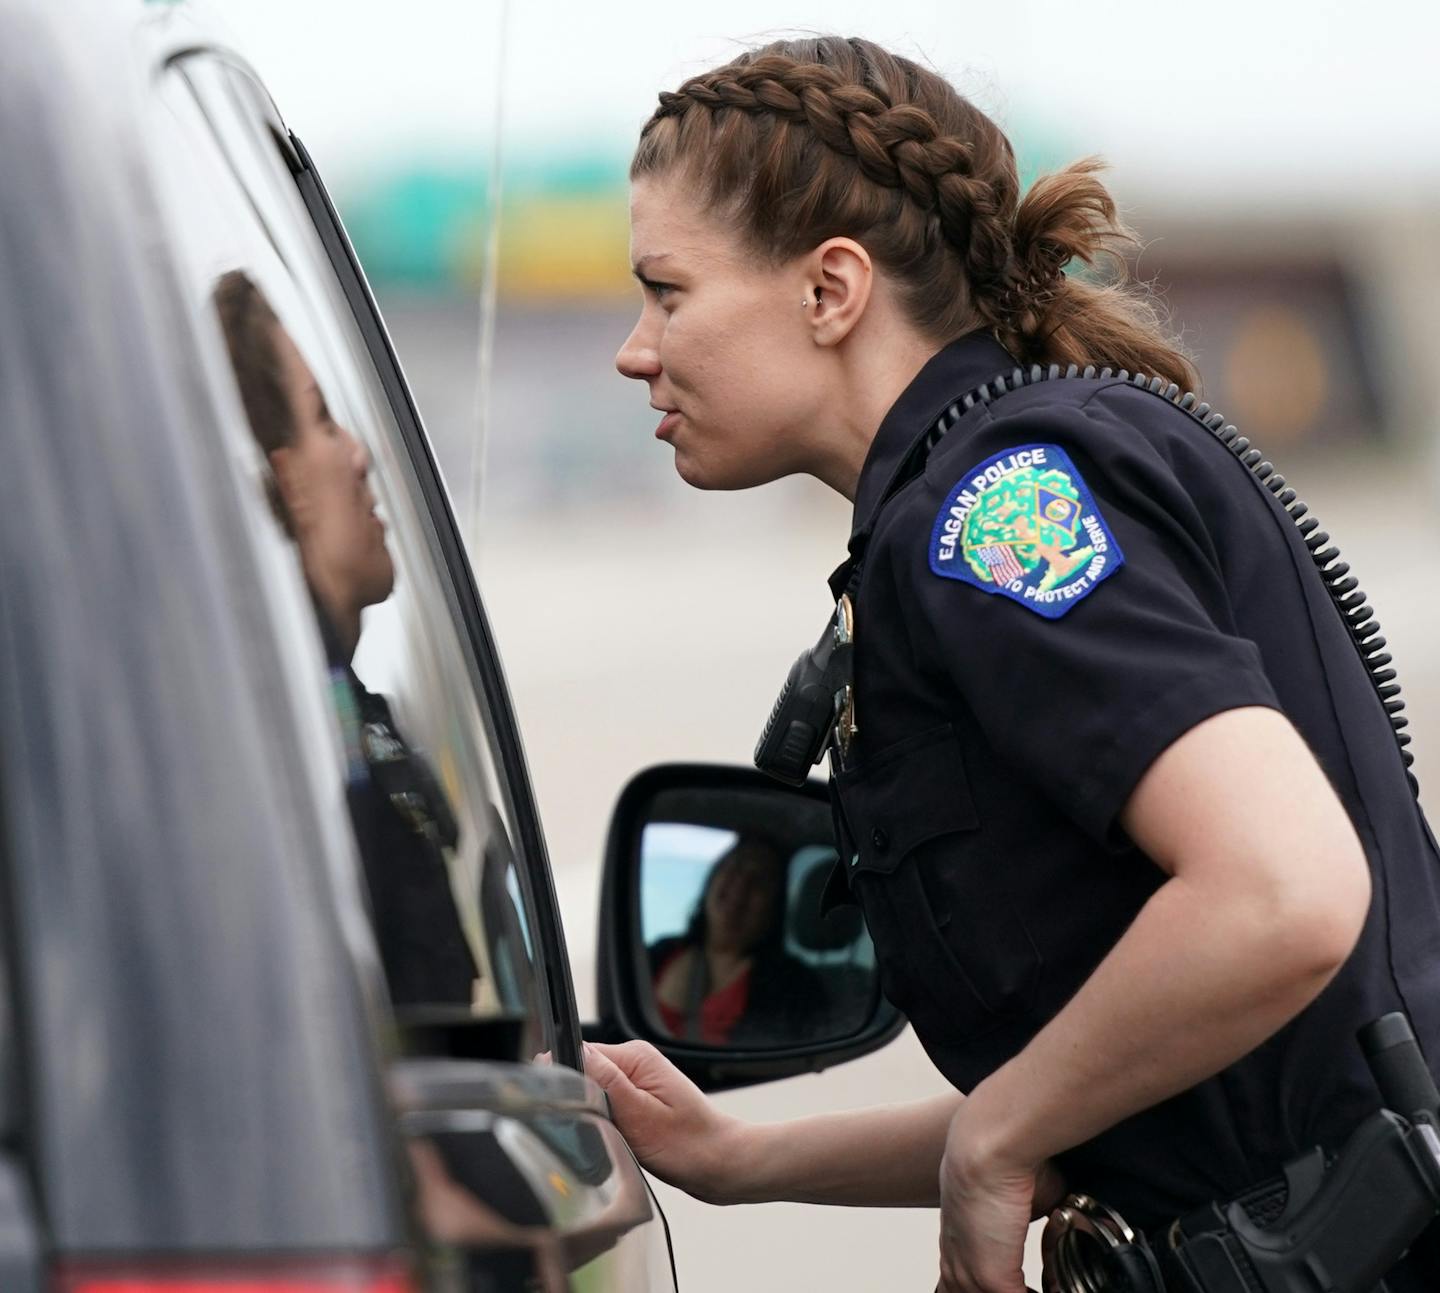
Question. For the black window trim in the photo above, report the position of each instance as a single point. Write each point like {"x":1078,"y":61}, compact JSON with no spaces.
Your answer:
{"x":515,"y":773}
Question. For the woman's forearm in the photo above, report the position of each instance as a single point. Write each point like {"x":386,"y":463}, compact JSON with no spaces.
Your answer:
{"x":879,"y":1157}
{"x":1260,"y":911}
{"x":1186,"y":992}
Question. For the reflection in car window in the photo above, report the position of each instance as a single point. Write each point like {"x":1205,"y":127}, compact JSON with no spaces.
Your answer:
{"x":320,"y":493}
{"x":327,"y":463}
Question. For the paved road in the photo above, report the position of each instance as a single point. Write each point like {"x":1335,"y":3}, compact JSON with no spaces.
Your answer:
{"x":662,"y":631}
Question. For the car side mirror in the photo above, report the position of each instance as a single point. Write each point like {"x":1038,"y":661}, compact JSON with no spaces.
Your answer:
{"x":715,"y":942}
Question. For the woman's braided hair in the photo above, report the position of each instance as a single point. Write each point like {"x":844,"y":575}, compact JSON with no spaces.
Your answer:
{"x":249,"y":324}
{"x":804,"y":140}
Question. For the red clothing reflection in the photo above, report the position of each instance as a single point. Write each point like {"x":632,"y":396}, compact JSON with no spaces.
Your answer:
{"x":719,"y":1012}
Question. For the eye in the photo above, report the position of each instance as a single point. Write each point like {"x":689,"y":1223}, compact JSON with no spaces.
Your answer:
{"x":660,"y":291}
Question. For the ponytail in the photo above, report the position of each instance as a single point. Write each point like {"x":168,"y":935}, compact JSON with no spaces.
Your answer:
{"x":1051,"y":317}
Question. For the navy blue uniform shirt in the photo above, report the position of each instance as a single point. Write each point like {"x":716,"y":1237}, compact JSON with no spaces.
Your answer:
{"x":1032,"y":629}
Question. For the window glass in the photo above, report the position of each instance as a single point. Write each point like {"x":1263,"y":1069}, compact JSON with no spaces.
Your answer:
{"x":351,"y":538}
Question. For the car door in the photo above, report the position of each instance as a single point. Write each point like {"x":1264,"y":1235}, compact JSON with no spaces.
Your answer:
{"x":187,"y":1084}
{"x":516,"y":1176}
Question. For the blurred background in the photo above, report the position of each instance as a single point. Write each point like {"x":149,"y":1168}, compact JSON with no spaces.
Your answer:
{"x":1279,"y":161}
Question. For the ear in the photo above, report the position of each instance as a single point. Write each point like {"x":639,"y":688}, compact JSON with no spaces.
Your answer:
{"x":275,"y":494}
{"x":840,"y":280}
{"x":287,"y":482}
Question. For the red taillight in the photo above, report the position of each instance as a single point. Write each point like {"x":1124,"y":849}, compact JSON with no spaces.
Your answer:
{"x":234,"y":1276}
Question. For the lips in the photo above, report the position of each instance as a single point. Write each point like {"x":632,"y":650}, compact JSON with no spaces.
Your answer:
{"x":667,"y":424}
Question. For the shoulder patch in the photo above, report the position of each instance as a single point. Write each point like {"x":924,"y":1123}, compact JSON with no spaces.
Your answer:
{"x":1023,"y":524}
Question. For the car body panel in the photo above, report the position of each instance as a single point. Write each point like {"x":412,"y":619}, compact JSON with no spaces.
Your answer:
{"x":163,"y":846}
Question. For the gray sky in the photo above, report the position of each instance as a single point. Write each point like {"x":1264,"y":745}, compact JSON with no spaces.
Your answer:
{"x":1307,"y":98}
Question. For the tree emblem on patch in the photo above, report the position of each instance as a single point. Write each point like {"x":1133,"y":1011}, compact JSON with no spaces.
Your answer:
{"x":1023,"y":524}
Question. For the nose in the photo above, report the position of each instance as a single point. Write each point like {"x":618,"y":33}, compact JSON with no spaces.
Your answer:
{"x":359,"y":455}
{"x":639,"y":356}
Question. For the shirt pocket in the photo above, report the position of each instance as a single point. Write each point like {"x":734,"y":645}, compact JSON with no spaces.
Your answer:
{"x":936,"y":891}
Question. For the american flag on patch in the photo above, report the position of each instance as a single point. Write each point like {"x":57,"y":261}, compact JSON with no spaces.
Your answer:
{"x":1000,"y":562}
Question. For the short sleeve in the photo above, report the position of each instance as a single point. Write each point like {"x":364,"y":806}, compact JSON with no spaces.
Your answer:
{"x":1071,"y":592}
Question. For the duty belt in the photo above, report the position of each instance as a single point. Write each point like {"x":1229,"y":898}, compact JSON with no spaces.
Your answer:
{"x":1327,"y":1225}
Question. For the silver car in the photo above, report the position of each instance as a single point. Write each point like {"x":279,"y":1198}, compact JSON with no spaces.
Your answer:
{"x":285,"y":1001}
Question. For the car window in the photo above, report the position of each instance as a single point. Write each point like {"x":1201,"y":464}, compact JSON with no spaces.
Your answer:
{"x":450,"y":908}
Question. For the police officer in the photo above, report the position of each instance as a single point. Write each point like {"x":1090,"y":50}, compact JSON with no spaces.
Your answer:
{"x":1129,"y":820}
{"x":320,"y":493}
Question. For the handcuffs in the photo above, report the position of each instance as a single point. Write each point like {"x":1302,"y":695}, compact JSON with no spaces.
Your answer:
{"x":1328,"y":1225}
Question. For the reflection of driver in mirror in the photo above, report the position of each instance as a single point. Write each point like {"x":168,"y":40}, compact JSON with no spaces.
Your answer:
{"x":728,"y":978}
{"x":321,"y":495}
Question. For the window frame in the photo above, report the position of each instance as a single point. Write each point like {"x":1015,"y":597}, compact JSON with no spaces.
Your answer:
{"x":556,"y":993}
{"x":489,"y":676}
{"x":512,"y":767}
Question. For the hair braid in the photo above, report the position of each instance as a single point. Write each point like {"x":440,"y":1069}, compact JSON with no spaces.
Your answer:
{"x":776,"y":137}
{"x":897,"y":145}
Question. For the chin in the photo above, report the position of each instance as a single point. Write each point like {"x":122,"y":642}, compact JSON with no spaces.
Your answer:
{"x":721,"y":476}
{"x":379,"y":585}
{"x":693,"y":473}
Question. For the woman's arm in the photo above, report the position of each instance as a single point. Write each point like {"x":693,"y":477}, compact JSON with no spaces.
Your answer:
{"x":1267,"y":895}
{"x":1269,"y":889}
{"x":888,"y":1156}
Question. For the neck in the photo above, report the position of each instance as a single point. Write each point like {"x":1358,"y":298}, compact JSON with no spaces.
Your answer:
{"x":873,"y":370}
{"x":340,"y":618}
{"x":724,"y":964}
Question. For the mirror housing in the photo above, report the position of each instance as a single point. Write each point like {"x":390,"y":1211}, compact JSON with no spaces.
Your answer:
{"x":734,"y":799}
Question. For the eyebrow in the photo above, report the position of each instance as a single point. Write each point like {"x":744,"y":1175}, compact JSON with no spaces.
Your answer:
{"x":641,"y":268}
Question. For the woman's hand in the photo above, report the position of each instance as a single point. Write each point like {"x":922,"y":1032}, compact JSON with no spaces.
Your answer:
{"x":673,"y":1130}
{"x":986,"y":1206}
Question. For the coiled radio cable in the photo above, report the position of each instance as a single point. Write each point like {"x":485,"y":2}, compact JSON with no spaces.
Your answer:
{"x":1350,"y":601}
